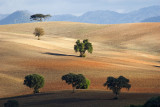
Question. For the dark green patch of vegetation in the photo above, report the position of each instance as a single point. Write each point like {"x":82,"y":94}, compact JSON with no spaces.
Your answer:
{"x":34,"y":81}
{"x":82,"y":47}
{"x":78,"y":81}
{"x":116,"y":84}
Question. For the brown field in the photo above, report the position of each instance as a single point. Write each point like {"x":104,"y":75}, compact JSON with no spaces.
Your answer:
{"x":131,"y":50}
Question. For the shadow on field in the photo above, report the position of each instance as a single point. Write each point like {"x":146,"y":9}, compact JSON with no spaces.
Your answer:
{"x":25,"y":96}
{"x":57,"y":54}
{"x":63,"y":101}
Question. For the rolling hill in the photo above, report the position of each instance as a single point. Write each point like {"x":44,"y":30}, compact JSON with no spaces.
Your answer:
{"x":131,"y":50}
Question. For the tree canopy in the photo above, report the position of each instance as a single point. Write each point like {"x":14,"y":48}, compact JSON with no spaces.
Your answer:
{"x":39,"y":17}
{"x":34,"y":81}
{"x":38,"y":32}
{"x":77,"y":81}
{"x":116,"y":84}
{"x":82,"y":47}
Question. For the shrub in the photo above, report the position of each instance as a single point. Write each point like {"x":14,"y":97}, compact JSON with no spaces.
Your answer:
{"x":84,"y":85}
{"x":38,"y":32}
{"x":11,"y":103}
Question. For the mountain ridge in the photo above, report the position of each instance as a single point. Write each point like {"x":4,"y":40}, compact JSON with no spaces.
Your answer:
{"x":95,"y":17}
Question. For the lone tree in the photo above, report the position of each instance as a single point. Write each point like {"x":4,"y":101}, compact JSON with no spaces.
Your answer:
{"x":77,"y":81}
{"x":38,"y":32}
{"x":34,"y":81}
{"x":116,"y":84}
{"x":39,"y":17}
{"x":83,"y":46}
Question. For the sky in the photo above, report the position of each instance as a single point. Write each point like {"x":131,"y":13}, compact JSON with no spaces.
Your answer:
{"x":75,"y":7}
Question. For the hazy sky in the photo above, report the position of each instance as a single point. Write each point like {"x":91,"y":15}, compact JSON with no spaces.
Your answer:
{"x":75,"y":7}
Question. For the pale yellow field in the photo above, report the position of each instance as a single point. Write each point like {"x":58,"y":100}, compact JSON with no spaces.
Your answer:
{"x":131,"y":50}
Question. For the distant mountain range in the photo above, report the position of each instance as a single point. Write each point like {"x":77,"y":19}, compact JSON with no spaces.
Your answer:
{"x":152,"y":19}
{"x":147,"y":14}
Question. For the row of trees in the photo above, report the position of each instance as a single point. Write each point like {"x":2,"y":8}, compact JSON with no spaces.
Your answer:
{"x":78,"y":81}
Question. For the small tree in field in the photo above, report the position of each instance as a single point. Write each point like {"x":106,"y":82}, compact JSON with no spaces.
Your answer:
{"x":34,"y":81}
{"x":39,"y":17}
{"x":75,"y":80}
{"x":116,"y":84}
{"x":82,"y":47}
{"x":38,"y":32}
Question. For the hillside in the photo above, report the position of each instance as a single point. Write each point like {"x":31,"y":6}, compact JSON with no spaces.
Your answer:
{"x":131,"y":50}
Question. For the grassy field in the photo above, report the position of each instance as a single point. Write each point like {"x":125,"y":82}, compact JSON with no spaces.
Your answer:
{"x":131,"y":50}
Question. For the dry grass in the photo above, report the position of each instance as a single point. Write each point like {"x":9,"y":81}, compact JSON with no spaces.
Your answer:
{"x":130,"y":50}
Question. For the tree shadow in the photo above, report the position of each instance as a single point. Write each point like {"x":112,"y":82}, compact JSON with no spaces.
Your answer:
{"x":25,"y":96}
{"x":57,"y":54}
{"x":156,"y":66}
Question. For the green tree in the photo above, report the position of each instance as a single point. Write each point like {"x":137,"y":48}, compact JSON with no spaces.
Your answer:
{"x":38,"y":32}
{"x":84,"y":85}
{"x":82,"y":47}
{"x":34,"y":81}
{"x":39,"y":17}
{"x":74,"y":79}
{"x":116,"y":84}
{"x":11,"y":103}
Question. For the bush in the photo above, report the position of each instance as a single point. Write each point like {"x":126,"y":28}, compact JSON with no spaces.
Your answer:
{"x":38,"y":32}
{"x":34,"y":81}
{"x":84,"y":85}
{"x":153,"y":102}
{"x":11,"y":103}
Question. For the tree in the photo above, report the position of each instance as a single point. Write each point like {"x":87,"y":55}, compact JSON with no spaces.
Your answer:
{"x":11,"y":103}
{"x":39,"y":17}
{"x":82,"y":47}
{"x":74,"y":79}
{"x":116,"y":84}
{"x":38,"y":32}
{"x":34,"y":81}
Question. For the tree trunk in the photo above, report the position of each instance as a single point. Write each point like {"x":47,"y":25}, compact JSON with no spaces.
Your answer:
{"x":116,"y":97}
{"x":82,"y":54}
{"x":73,"y":89}
{"x":36,"y":90}
{"x":38,"y":37}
